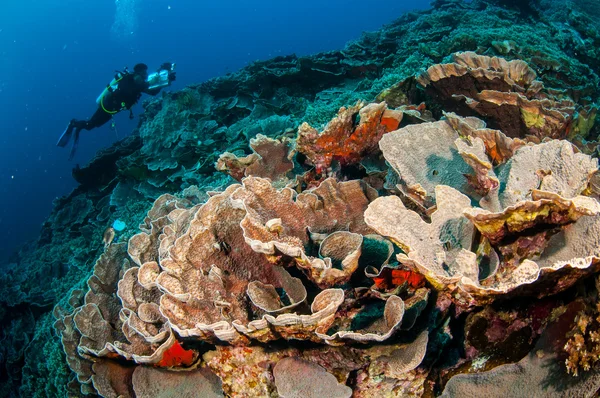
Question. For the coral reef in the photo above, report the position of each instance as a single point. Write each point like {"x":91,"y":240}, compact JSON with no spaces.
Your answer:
{"x":414,"y":215}
{"x":202,"y":275}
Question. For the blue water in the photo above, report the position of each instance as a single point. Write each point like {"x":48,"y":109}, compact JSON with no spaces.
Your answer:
{"x":57,"y":55}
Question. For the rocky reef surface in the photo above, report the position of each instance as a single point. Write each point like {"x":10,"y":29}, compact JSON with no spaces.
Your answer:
{"x":415,"y":215}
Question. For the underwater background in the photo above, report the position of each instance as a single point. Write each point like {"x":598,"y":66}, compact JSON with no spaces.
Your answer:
{"x":308,"y":210}
{"x":57,"y":56}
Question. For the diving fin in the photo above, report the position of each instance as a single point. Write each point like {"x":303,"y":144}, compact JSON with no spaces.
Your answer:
{"x":66,"y":135}
{"x":75,"y":144}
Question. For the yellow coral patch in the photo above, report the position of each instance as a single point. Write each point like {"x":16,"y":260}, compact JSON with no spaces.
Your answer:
{"x":583,"y":123}
{"x":532,"y":119}
{"x":513,"y":221}
{"x":518,"y":219}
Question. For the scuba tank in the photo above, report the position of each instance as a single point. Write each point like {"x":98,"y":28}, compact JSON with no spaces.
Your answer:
{"x":112,"y":86}
{"x":160,"y":78}
{"x":157,"y":79}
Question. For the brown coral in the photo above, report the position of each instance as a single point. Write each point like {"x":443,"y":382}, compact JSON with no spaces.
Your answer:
{"x":272,"y":158}
{"x":281,"y":222}
{"x":200,"y":276}
{"x":207,"y":272}
{"x":504,"y":92}
{"x":95,"y":329}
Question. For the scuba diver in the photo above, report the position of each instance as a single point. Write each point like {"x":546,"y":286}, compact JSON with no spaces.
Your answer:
{"x":122,"y":93}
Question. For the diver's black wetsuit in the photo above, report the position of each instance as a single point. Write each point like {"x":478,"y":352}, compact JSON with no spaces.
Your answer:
{"x":124,"y":97}
{"x":129,"y":91}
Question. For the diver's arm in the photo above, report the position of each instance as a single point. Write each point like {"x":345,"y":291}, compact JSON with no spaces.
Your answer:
{"x":140,"y":82}
{"x":153,"y":91}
